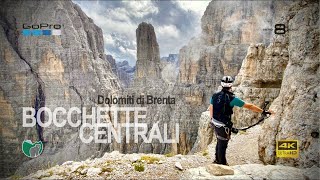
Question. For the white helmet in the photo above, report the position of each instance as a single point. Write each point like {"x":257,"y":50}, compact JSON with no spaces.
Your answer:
{"x":226,"y":81}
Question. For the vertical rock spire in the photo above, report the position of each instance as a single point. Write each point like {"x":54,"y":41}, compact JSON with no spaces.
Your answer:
{"x":148,"y":56}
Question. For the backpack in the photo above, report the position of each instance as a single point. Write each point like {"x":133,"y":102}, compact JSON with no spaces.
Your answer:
{"x":222,"y":110}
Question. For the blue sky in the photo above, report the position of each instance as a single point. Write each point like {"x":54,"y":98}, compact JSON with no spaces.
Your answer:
{"x":175,"y":23}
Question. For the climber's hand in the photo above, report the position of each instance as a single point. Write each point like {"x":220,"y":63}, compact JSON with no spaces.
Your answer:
{"x":268,"y":112}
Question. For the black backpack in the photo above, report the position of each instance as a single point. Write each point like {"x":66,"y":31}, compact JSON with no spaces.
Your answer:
{"x":222,"y":110}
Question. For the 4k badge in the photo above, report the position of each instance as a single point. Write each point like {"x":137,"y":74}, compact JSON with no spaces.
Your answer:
{"x":287,"y":149}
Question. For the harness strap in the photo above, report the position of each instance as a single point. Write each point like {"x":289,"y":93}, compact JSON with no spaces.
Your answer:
{"x":227,"y":130}
{"x":219,"y":124}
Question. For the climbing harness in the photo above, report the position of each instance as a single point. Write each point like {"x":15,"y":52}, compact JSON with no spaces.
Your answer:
{"x":219,"y":124}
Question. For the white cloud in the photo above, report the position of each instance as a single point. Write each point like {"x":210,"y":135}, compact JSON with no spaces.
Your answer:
{"x":122,"y":49}
{"x":118,"y":14}
{"x":167,"y":31}
{"x":196,"y":6}
{"x":108,"y":39}
{"x":133,"y":52}
{"x":140,"y":9}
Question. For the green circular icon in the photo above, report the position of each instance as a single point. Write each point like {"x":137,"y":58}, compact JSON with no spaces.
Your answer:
{"x":32,"y":150}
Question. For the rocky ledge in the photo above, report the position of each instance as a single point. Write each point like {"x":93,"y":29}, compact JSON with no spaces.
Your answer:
{"x":115,"y":165}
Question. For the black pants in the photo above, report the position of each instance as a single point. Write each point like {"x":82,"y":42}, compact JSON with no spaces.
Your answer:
{"x":223,"y":136}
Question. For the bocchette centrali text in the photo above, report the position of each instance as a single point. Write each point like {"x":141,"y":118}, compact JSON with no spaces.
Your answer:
{"x":97,"y":123}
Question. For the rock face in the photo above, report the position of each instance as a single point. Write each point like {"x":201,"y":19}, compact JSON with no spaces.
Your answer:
{"x":148,"y":81}
{"x":297,"y":106}
{"x":187,"y":100}
{"x":170,"y":68}
{"x":171,"y":58}
{"x":260,"y":78}
{"x":112,"y":62}
{"x":199,"y":64}
{"x":285,"y":73}
{"x":67,"y":71}
{"x":282,"y":73}
{"x":205,"y":133}
{"x":148,"y":56}
{"x":123,"y":71}
{"x":228,"y":28}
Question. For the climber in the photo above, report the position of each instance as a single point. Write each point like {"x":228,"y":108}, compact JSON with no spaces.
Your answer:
{"x":221,"y":105}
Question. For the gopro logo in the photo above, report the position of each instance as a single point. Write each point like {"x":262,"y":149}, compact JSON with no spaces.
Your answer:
{"x":42,"y":29}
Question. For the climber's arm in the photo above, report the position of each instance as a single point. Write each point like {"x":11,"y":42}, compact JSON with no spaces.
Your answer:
{"x":252,"y":107}
{"x":240,"y":103}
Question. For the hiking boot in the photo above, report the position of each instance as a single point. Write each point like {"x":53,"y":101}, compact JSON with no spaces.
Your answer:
{"x":216,"y":162}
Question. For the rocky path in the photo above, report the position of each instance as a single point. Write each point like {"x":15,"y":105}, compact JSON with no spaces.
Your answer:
{"x":153,"y":166}
{"x":129,"y":166}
